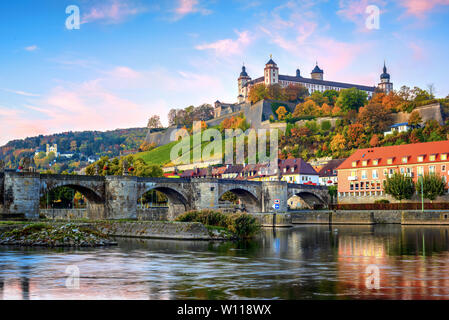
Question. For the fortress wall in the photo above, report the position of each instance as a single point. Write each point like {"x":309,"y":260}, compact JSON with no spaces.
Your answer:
{"x":429,"y":112}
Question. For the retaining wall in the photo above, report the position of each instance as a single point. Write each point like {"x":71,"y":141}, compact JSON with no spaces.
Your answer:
{"x":436,"y":217}
{"x":157,"y":229}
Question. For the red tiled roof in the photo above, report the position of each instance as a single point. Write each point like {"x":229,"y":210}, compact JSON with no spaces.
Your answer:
{"x":411,"y":151}
{"x":299,"y":165}
{"x":328,"y":169}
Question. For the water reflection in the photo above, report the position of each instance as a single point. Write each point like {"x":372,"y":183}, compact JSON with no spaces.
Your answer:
{"x":305,"y":262}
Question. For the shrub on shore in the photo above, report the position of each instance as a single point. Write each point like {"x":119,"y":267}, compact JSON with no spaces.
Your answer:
{"x":241,"y":225}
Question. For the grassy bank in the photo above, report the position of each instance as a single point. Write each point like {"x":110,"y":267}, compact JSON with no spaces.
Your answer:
{"x":241,"y":226}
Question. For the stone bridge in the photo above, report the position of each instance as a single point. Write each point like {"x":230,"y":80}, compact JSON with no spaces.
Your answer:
{"x":116,"y":197}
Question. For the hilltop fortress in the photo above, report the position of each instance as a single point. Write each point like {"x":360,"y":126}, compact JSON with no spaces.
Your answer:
{"x":258,"y":114}
{"x":272,"y":76}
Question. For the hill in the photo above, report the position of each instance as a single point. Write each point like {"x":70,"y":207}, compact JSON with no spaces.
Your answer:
{"x":81,"y":144}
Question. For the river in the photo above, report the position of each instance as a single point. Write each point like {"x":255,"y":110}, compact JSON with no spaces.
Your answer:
{"x":304,"y":262}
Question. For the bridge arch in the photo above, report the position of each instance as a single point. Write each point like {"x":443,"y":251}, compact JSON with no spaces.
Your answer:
{"x":177,"y":201}
{"x":247,"y":197}
{"x":310,"y":199}
{"x":95,"y":201}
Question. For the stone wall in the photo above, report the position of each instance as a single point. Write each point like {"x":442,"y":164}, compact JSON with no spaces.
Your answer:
{"x":153,"y":214}
{"x":157,"y":229}
{"x":429,"y":112}
{"x":64,"y":214}
{"x":274,"y":219}
{"x":372,"y":217}
{"x":427,"y":218}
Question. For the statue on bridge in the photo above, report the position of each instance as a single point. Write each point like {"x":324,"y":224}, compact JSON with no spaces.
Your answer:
{"x":125,"y":166}
{"x":2,"y":165}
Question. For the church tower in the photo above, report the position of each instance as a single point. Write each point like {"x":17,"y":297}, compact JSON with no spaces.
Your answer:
{"x":271,"y":72}
{"x":385,"y":85}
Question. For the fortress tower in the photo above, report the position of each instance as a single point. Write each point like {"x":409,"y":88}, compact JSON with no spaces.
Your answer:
{"x":271,"y":72}
{"x":385,"y":85}
{"x":317,"y":73}
{"x":242,"y":81}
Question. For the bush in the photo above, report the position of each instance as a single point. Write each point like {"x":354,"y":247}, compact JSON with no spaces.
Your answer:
{"x":240,"y":225}
{"x":382,"y":201}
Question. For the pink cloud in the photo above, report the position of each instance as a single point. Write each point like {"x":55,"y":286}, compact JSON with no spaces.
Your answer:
{"x":186,"y":7}
{"x":121,"y":98}
{"x":419,"y":8}
{"x":114,"y":11}
{"x":228,"y":47}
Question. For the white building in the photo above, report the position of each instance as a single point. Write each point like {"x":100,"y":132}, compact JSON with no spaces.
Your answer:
{"x":398,"y":127}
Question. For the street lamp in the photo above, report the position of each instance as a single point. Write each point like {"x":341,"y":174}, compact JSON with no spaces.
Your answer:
{"x":422,"y":194}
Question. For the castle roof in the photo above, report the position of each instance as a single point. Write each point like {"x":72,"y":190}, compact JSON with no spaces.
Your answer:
{"x":385,"y":74}
{"x":317,"y":69}
{"x":243,"y":73}
{"x":271,"y":62}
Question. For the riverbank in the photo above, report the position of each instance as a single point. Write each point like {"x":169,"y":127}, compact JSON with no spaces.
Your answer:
{"x":404,"y":217}
{"x":54,"y":235}
{"x":84,"y":233}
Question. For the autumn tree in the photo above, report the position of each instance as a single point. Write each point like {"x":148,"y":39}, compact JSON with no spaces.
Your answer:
{"x":374,"y":141}
{"x":355,"y":134}
{"x":326,"y":109}
{"x":154,"y":122}
{"x":281,"y":113}
{"x":338,"y":143}
{"x":305,"y":109}
{"x":374,"y":117}
{"x":295,"y":93}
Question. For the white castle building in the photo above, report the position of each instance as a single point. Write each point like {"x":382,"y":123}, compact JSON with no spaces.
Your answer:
{"x":316,"y":81}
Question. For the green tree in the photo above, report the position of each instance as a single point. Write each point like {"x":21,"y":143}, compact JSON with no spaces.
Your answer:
{"x":399,"y":187}
{"x":351,"y":99}
{"x":433,"y":186}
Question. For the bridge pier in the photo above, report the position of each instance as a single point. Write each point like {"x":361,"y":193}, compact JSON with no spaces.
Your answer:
{"x":271,"y":191}
{"x":121,"y":197}
{"x":21,"y":194}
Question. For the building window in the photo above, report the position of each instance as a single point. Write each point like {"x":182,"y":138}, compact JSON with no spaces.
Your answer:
{"x":432,"y":157}
{"x":364,"y":163}
{"x":404,"y":159}
{"x":375,"y":175}
{"x":443,"y":168}
{"x":363,"y":174}
{"x":444,"y":156}
{"x":385,"y":172}
{"x":420,"y":171}
{"x":420,"y":158}
{"x":432,"y":169}
{"x":354,"y":163}
{"x":390,"y":161}
{"x":375,"y":162}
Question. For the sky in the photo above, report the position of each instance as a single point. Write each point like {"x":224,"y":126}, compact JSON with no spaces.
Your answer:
{"x":130,"y":59}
